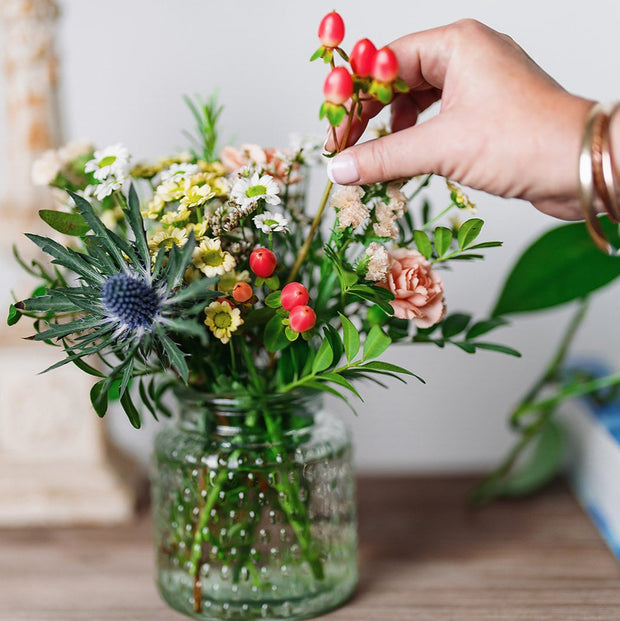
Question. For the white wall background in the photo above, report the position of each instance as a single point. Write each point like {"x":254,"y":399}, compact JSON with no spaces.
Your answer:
{"x":126,"y":63}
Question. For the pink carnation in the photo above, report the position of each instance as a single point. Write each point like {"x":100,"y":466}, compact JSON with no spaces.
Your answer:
{"x":417,"y":289}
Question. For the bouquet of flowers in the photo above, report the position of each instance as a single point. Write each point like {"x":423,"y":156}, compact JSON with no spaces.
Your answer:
{"x":202,"y":275}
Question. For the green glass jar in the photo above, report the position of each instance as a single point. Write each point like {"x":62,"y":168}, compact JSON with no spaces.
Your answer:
{"x":254,"y":509}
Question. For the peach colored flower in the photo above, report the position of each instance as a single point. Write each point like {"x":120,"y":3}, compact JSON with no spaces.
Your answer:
{"x":417,"y":289}
{"x":247,"y":154}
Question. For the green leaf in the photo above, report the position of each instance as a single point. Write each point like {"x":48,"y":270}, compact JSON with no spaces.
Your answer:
{"x":543,"y":463}
{"x":134,"y":217}
{"x":273,"y":282}
{"x":331,"y":334}
{"x":501,"y":349}
{"x":482,"y":327}
{"x":335,"y":113}
{"x":291,"y":335}
{"x":130,"y":410}
{"x":350,"y":338}
{"x":468,"y":231}
{"x":273,"y":300}
{"x":400,"y":85}
{"x":561,"y":266}
{"x":14,"y":315}
{"x":488,"y":244}
{"x":275,"y":335}
{"x":64,"y":222}
{"x":466,"y":346}
{"x":324,"y":357}
{"x":443,"y":239}
{"x":423,"y":243}
{"x":317,"y":54}
{"x":379,"y":365}
{"x":99,"y":397}
{"x":175,"y":355}
{"x":336,"y":378}
{"x":454,"y":324}
{"x":376,"y":343}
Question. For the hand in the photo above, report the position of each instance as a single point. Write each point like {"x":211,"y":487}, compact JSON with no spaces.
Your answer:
{"x":504,"y":126}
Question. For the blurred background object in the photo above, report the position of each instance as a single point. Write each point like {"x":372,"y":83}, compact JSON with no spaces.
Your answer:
{"x":55,"y":459}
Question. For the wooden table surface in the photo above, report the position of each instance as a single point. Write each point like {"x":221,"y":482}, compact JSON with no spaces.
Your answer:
{"x":423,"y":556}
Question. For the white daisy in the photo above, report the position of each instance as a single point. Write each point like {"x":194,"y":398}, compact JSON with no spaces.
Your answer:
{"x":178,"y":172}
{"x":269,"y":222}
{"x":248,"y":191}
{"x":106,"y":187}
{"x":112,"y":161}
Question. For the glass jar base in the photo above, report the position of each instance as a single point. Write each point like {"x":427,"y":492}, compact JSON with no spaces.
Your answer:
{"x":174,"y":588}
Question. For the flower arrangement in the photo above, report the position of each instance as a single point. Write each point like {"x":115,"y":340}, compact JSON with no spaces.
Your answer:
{"x":203,"y":274}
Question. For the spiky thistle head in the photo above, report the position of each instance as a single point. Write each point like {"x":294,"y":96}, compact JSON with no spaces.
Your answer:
{"x":122,"y":304}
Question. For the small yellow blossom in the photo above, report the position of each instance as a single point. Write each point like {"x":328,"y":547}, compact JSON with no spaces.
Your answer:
{"x":196,"y":191}
{"x":222,"y":320}
{"x":154,"y":208}
{"x":211,"y":260}
{"x":461,"y":200}
{"x":230,"y":279}
{"x":170,"y":190}
{"x":216,"y":168}
{"x":167,"y":238}
{"x":145,"y":171}
{"x":176,"y":217}
{"x":200,"y":230}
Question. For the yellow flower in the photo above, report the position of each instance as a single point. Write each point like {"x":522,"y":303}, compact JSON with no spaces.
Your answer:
{"x":220,"y":187}
{"x":222,"y":320}
{"x":200,"y":230}
{"x":460,"y":199}
{"x":230,"y":279}
{"x":215,"y":168}
{"x":176,"y":217}
{"x":145,"y":171}
{"x":167,"y":238}
{"x":197,"y":191}
{"x":171,"y":190}
{"x":211,"y":260}
{"x":154,"y":208}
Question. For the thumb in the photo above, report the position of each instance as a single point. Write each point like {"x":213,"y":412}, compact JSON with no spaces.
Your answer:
{"x":417,"y":150}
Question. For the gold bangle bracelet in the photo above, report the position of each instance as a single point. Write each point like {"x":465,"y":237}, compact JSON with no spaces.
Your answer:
{"x":586,"y":179}
{"x":607,"y":169}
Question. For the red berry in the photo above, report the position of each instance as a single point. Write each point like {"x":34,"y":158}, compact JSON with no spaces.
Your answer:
{"x":302,"y":318}
{"x":294,"y":294}
{"x":242,"y":292}
{"x":385,"y":66}
{"x":338,"y":86}
{"x":331,"y":30}
{"x":362,"y":57}
{"x":263,"y":262}
{"x":225,"y":301}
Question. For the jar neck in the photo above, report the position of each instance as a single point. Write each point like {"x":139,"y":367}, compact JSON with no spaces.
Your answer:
{"x":231,"y":415}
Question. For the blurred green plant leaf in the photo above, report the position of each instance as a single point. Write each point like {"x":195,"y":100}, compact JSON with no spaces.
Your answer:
{"x":561,"y":266}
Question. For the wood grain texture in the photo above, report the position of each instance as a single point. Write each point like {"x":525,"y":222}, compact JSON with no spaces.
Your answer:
{"x":424,"y":556}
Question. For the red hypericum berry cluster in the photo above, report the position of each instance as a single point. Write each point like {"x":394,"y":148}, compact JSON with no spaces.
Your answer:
{"x":263,"y":262}
{"x":373,"y":72}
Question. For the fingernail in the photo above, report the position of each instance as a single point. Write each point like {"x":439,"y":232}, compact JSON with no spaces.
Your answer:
{"x":342,"y":169}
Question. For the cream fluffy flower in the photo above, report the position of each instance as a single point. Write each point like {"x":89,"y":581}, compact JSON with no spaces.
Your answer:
{"x":348,"y":204}
{"x":385,"y":221}
{"x":378,"y":263}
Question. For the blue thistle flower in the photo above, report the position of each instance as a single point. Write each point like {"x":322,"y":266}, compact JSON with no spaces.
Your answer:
{"x":132,"y":303}
{"x":123,"y":304}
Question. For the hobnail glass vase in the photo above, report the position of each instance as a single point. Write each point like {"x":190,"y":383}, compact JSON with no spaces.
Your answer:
{"x":254,"y":509}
